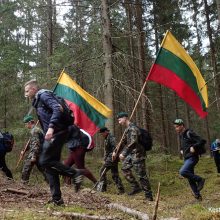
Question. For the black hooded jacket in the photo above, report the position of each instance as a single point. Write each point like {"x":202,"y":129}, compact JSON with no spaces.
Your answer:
{"x":190,"y":139}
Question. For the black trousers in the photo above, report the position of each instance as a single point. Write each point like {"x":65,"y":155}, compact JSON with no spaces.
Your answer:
{"x":3,"y":165}
{"x":50,"y":161}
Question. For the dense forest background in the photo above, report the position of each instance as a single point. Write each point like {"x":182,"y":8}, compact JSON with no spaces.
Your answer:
{"x":108,"y":47}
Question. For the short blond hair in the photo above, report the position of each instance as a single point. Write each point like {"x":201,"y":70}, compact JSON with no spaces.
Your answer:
{"x":32,"y":83}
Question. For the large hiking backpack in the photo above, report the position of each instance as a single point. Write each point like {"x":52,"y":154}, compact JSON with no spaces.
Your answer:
{"x":201,"y":149}
{"x":67,"y":112}
{"x":79,"y":137}
{"x":6,"y":141}
{"x":145,"y":139}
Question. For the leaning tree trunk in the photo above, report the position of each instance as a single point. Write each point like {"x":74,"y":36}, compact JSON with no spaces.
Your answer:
{"x":107,"y":49}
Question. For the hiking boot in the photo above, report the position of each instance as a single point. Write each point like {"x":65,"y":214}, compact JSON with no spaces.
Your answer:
{"x":134,"y":191}
{"x":198,"y":197}
{"x":201,"y":184}
{"x":77,"y":180}
{"x":56,"y":202}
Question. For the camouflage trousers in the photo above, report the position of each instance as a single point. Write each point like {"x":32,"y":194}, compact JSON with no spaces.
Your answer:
{"x":102,"y":186}
{"x":140,"y":170}
{"x":27,"y":168}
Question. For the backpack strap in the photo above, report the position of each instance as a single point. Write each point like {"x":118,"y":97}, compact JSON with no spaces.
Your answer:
{"x":188,"y":133}
{"x":37,"y":101}
{"x":89,"y":137}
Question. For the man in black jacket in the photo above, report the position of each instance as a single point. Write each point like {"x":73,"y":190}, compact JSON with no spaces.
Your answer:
{"x":3,"y":152}
{"x":190,"y":143}
{"x":55,"y":123}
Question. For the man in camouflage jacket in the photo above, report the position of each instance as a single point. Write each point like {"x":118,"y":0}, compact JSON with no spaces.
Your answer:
{"x":34,"y":148}
{"x":109,"y":146}
{"x":133,"y":155}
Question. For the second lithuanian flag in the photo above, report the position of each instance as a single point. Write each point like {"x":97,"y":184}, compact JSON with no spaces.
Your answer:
{"x":175,"y":69}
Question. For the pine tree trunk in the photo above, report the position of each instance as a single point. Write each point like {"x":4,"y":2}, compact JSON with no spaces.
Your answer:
{"x":218,"y":9}
{"x":107,"y":49}
{"x":212,"y":51}
{"x":141,"y":56}
{"x":49,"y":36}
{"x":163,"y":127}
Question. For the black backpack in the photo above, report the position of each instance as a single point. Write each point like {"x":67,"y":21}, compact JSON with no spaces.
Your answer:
{"x":7,"y":142}
{"x":67,"y":112}
{"x":145,"y":139}
{"x":201,"y":149}
{"x":79,"y":137}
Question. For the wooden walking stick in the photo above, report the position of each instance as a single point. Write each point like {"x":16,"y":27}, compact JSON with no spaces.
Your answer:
{"x":156,"y":202}
{"x":23,"y":153}
{"x":26,"y":146}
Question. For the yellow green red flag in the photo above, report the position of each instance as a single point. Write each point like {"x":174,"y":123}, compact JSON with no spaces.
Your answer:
{"x":90,"y":114}
{"x":175,"y":69}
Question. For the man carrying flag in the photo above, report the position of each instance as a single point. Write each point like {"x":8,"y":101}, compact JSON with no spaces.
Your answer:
{"x":175,"y":69}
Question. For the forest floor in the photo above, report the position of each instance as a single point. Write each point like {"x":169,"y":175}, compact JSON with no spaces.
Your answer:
{"x":176,"y":201}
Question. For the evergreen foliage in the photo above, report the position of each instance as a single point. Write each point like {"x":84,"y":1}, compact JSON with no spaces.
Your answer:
{"x":77,"y":38}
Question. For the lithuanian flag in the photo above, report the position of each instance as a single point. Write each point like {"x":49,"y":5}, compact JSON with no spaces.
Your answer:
{"x":175,"y":69}
{"x":89,"y":113}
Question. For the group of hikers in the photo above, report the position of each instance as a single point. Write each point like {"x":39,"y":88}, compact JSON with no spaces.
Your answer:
{"x":57,"y":128}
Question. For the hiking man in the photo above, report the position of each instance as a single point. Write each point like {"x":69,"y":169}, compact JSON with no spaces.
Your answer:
{"x":79,"y":143}
{"x":3,"y":165}
{"x":189,"y":144}
{"x":133,"y":155}
{"x":54,"y":122}
{"x":215,"y":149}
{"x":34,"y":147}
{"x":109,"y":146}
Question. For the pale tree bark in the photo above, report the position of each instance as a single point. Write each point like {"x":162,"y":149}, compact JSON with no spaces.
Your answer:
{"x":54,"y":13}
{"x":49,"y":35}
{"x":218,"y":9}
{"x":107,"y":49}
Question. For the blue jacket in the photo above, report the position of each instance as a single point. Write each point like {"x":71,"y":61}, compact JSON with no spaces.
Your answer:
{"x":215,"y":146}
{"x":49,"y":111}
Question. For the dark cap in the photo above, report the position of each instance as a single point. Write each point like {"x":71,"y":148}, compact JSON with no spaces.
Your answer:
{"x":102,"y":130}
{"x":122,"y":114}
{"x":178,"y":121}
{"x":28,"y":118}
